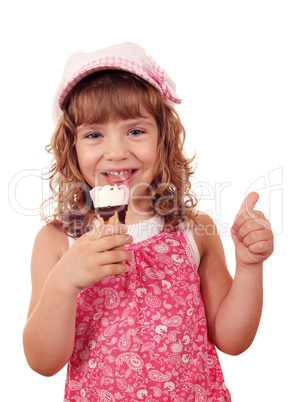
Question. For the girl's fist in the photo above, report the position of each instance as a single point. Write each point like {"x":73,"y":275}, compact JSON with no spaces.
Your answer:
{"x":251,"y":233}
{"x":93,"y":256}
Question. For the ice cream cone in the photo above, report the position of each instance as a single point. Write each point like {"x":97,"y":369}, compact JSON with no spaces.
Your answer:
{"x":113,"y":220}
{"x":110,"y":204}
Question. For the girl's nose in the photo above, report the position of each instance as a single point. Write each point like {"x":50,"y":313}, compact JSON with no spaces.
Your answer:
{"x":116,"y":149}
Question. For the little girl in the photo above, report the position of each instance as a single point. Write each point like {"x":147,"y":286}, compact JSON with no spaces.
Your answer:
{"x":140,"y":323}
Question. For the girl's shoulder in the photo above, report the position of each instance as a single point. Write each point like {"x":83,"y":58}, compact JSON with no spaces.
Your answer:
{"x":52,"y":239}
{"x":203,"y":224}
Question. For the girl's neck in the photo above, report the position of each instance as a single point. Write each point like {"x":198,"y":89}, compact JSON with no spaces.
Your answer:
{"x":135,"y":215}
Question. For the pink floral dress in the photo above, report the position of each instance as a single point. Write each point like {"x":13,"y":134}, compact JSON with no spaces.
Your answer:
{"x":143,"y":336}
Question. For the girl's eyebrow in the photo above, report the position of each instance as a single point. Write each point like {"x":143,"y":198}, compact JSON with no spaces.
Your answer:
{"x":126,"y":123}
{"x":84,"y":128}
{"x":139,"y":120}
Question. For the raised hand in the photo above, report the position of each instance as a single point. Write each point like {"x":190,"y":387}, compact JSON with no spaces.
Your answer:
{"x":251,"y":234}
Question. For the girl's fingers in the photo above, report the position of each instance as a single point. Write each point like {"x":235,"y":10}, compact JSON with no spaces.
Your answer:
{"x":254,"y":237}
{"x":115,"y":269}
{"x":105,"y":231}
{"x":251,"y":233}
{"x":113,"y":257}
{"x":248,"y":203}
{"x":262,"y":248}
{"x":248,"y":227}
{"x":110,"y":242}
{"x":249,"y":216}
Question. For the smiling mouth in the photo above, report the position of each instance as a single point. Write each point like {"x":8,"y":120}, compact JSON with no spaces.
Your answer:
{"x":114,"y":177}
{"x":122,"y":173}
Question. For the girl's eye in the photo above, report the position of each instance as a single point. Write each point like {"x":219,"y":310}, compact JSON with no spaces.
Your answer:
{"x":93,"y":135}
{"x":136,"y":132}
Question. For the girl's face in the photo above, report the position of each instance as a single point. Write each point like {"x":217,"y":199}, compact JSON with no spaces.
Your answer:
{"x":119,"y":152}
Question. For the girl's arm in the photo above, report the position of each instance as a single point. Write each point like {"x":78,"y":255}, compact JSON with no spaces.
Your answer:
{"x":233,"y":307}
{"x":58,"y":274}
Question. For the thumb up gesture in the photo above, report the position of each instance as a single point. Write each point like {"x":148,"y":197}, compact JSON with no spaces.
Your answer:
{"x":252,"y":234}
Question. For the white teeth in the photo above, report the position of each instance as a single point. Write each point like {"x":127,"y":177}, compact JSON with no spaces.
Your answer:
{"x":119,"y":173}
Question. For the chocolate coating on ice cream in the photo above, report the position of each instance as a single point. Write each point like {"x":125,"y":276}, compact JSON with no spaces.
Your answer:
{"x":107,"y":212}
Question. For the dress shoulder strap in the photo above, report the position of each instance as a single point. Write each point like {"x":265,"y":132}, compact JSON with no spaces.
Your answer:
{"x":184,"y":226}
{"x":71,"y":241}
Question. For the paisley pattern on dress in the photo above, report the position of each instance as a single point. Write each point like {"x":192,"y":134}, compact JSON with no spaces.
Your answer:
{"x":143,"y":336}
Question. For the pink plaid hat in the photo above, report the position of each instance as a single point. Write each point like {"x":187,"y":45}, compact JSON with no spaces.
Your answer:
{"x":123,"y":56}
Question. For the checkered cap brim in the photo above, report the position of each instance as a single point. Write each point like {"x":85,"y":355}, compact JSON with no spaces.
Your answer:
{"x":124,"y":56}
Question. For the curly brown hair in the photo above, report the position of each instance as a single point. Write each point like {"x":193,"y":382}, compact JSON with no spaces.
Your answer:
{"x":114,"y":94}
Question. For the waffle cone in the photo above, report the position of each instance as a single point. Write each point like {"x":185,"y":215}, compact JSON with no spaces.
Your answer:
{"x":113,"y":220}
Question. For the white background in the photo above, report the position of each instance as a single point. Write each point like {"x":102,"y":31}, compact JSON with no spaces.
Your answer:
{"x":231,"y":63}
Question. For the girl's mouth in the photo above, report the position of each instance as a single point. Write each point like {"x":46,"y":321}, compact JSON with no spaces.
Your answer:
{"x":119,"y":177}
